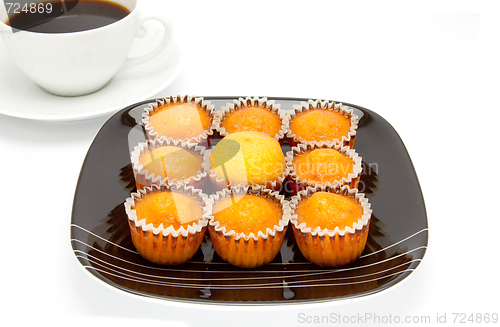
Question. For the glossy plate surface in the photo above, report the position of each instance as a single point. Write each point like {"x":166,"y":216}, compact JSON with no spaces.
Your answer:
{"x":396,"y":243}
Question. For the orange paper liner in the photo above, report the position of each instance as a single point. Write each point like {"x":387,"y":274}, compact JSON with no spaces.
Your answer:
{"x":202,"y":139}
{"x":143,"y":178}
{"x":348,"y":140}
{"x":252,"y":250}
{"x":166,"y":245}
{"x":332,"y":248}
{"x":263,"y":103}
{"x":297,"y":184}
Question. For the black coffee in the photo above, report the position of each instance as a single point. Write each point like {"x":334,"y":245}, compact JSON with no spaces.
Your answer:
{"x":68,"y":16}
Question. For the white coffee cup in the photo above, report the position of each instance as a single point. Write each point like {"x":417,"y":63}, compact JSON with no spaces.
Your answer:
{"x":79,"y":63}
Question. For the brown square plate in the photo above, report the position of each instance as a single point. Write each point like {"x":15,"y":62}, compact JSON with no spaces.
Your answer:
{"x":396,"y":243}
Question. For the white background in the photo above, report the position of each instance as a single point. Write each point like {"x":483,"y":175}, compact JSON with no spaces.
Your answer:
{"x":430,"y":68}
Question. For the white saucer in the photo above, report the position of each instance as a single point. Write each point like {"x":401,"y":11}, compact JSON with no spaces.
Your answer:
{"x":21,"y":97}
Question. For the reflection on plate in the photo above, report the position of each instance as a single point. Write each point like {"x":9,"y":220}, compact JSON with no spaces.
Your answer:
{"x":396,"y":243}
{"x":22,"y":98}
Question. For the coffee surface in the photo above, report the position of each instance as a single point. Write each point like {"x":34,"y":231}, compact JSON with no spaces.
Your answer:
{"x":70,"y":16}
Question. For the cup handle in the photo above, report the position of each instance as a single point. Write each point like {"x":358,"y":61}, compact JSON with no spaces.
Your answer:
{"x":167,"y":24}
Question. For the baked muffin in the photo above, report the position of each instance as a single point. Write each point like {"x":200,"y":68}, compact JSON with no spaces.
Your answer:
{"x":330,"y":225}
{"x":167,"y":223}
{"x":252,"y":114}
{"x":322,"y":163}
{"x":250,"y":158}
{"x":166,"y":161}
{"x":317,"y":121}
{"x":248,"y":225}
{"x":188,"y":119}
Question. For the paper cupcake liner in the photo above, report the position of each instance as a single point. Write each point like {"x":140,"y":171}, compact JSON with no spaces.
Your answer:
{"x":203,"y":139}
{"x":252,"y":250}
{"x":332,"y":248}
{"x":348,"y":140}
{"x":143,"y":178}
{"x":166,"y":245}
{"x":220,"y":183}
{"x":263,"y":103}
{"x":297,"y":184}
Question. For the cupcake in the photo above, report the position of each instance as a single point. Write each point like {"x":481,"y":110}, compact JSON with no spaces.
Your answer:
{"x":249,"y":158}
{"x":167,"y":223}
{"x":252,"y":114}
{"x":188,"y":119}
{"x":322,"y":164}
{"x":317,"y":121}
{"x":248,"y":225}
{"x":168,"y":161}
{"x":330,"y":225}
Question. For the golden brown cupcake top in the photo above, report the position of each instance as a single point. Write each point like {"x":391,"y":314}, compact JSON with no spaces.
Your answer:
{"x":170,"y":208}
{"x":248,"y":158}
{"x":322,"y":166}
{"x":180,"y":120}
{"x":247,"y":213}
{"x":320,"y":125}
{"x":172,"y":162}
{"x":252,"y":119}
{"x":328,"y":210}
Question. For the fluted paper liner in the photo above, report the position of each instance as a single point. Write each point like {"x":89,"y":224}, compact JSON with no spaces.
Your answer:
{"x":200,"y":103}
{"x":163,"y":244}
{"x":252,"y":250}
{"x":263,"y":103}
{"x":332,"y":248}
{"x":220,"y":183}
{"x":352,"y":178}
{"x":143,"y":178}
{"x":326,"y":105}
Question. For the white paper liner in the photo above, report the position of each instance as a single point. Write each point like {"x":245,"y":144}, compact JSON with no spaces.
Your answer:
{"x":263,"y":103}
{"x":259,"y":191}
{"x":343,"y":190}
{"x":169,"y":230}
{"x":318,"y":104}
{"x":305,"y":147}
{"x":200,"y":103}
{"x":142,"y":174}
{"x":220,"y":182}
